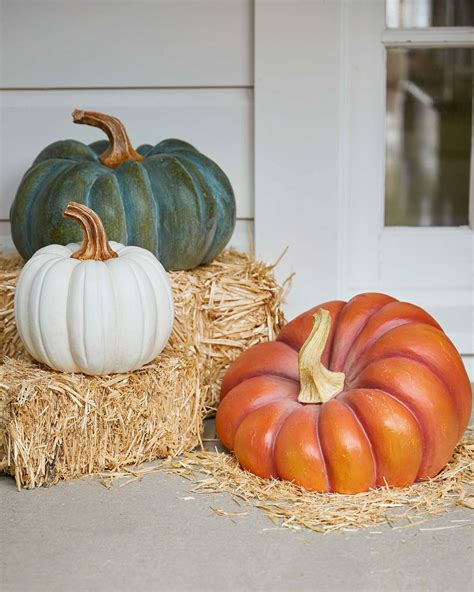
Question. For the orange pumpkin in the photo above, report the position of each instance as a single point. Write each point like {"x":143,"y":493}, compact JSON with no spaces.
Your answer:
{"x":350,"y":397}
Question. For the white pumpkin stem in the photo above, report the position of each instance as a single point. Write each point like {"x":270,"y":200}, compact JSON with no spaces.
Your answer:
{"x":94,"y":242}
{"x":318,"y":384}
{"x":120,"y":148}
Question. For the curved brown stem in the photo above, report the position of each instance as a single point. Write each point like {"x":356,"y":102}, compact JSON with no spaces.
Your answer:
{"x":94,"y":242}
{"x":318,"y":384}
{"x":120,"y":148}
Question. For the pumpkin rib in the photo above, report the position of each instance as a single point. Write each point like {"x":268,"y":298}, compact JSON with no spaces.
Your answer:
{"x":378,"y":448}
{"x":103,"y":195}
{"x":381,"y":330}
{"x":318,"y":438}
{"x":68,"y":308}
{"x":144,"y":150}
{"x":49,"y":358}
{"x":65,"y":150}
{"x":278,"y":430}
{"x":270,"y":375}
{"x":22,"y":235}
{"x":263,"y":399}
{"x":127,"y":174}
{"x":223,"y":199}
{"x":405,"y":356}
{"x":365,"y":314}
{"x":417,"y":358}
{"x":42,"y":272}
{"x":44,"y":216}
{"x":208,"y":212}
{"x":421,"y":404}
{"x":415,"y":417}
{"x":297,"y":450}
{"x":131,"y":266}
{"x":156,"y":278}
{"x":346,"y":448}
{"x":364,"y":431}
{"x":172,"y":146}
{"x":255,"y":422}
{"x":263,"y":358}
{"x":174,"y":204}
{"x":27,"y":335}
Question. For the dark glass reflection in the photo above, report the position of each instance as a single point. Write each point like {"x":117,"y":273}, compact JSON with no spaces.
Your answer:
{"x":429,"y":13}
{"x":428,"y":137}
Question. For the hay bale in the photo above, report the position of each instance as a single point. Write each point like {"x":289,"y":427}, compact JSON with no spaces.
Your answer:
{"x":221,"y":309}
{"x":59,"y":426}
{"x":10,"y":343}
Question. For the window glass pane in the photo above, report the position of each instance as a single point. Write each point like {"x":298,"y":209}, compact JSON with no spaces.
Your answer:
{"x":429,"y":13}
{"x":428,"y":136}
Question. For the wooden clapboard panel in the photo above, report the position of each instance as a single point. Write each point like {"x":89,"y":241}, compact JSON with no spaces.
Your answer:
{"x":124,"y":43}
{"x":217,"y":121}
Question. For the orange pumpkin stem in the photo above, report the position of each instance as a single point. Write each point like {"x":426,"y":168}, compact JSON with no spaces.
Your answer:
{"x":318,"y":384}
{"x":120,"y":148}
{"x":94,"y":243}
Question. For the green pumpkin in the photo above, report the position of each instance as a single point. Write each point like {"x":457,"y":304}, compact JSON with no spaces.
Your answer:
{"x":168,"y":198}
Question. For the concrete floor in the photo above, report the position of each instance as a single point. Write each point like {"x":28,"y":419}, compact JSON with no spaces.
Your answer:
{"x":155,"y":535}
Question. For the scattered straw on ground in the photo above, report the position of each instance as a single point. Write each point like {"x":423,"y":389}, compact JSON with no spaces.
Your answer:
{"x":220,"y":310}
{"x":290,"y":506}
{"x":58,"y":426}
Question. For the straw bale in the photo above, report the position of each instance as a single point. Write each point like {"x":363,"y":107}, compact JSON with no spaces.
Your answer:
{"x":10,"y":343}
{"x":221,"y":309}
{"x":58,"y":426}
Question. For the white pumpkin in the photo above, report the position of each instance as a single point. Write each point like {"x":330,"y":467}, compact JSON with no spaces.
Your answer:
{"x":96,"y":308}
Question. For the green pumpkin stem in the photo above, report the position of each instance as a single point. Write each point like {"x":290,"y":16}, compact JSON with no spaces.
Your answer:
{"x":94,"y":242}
{"x":120,"y":148}
{"x":318,"y":384}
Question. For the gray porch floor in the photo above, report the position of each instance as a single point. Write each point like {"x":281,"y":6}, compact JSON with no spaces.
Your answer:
{"x":147,"y":536}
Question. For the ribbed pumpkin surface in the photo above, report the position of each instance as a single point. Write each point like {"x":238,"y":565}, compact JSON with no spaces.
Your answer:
{"x":405,"y":404}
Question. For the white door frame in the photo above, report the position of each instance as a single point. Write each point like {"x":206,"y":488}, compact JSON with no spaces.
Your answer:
{"x":319,"y":164}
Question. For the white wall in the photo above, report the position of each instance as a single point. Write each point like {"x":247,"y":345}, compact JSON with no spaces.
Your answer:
{"x":167,"y":68}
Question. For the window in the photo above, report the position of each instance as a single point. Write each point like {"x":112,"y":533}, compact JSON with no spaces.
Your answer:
{"x":428,"y":136}
{"x":429,"y":106}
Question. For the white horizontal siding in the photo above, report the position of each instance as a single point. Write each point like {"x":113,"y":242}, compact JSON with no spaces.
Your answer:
{"x":219,"y":122}
{"x":124,"y":43}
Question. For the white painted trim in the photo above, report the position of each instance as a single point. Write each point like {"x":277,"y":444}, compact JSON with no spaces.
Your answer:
{"x":429,"y":37}
{"x":440,"y":231}
{"x":344,"y":154}
{"x":297,"y":93}
{"x":428,"y":266}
